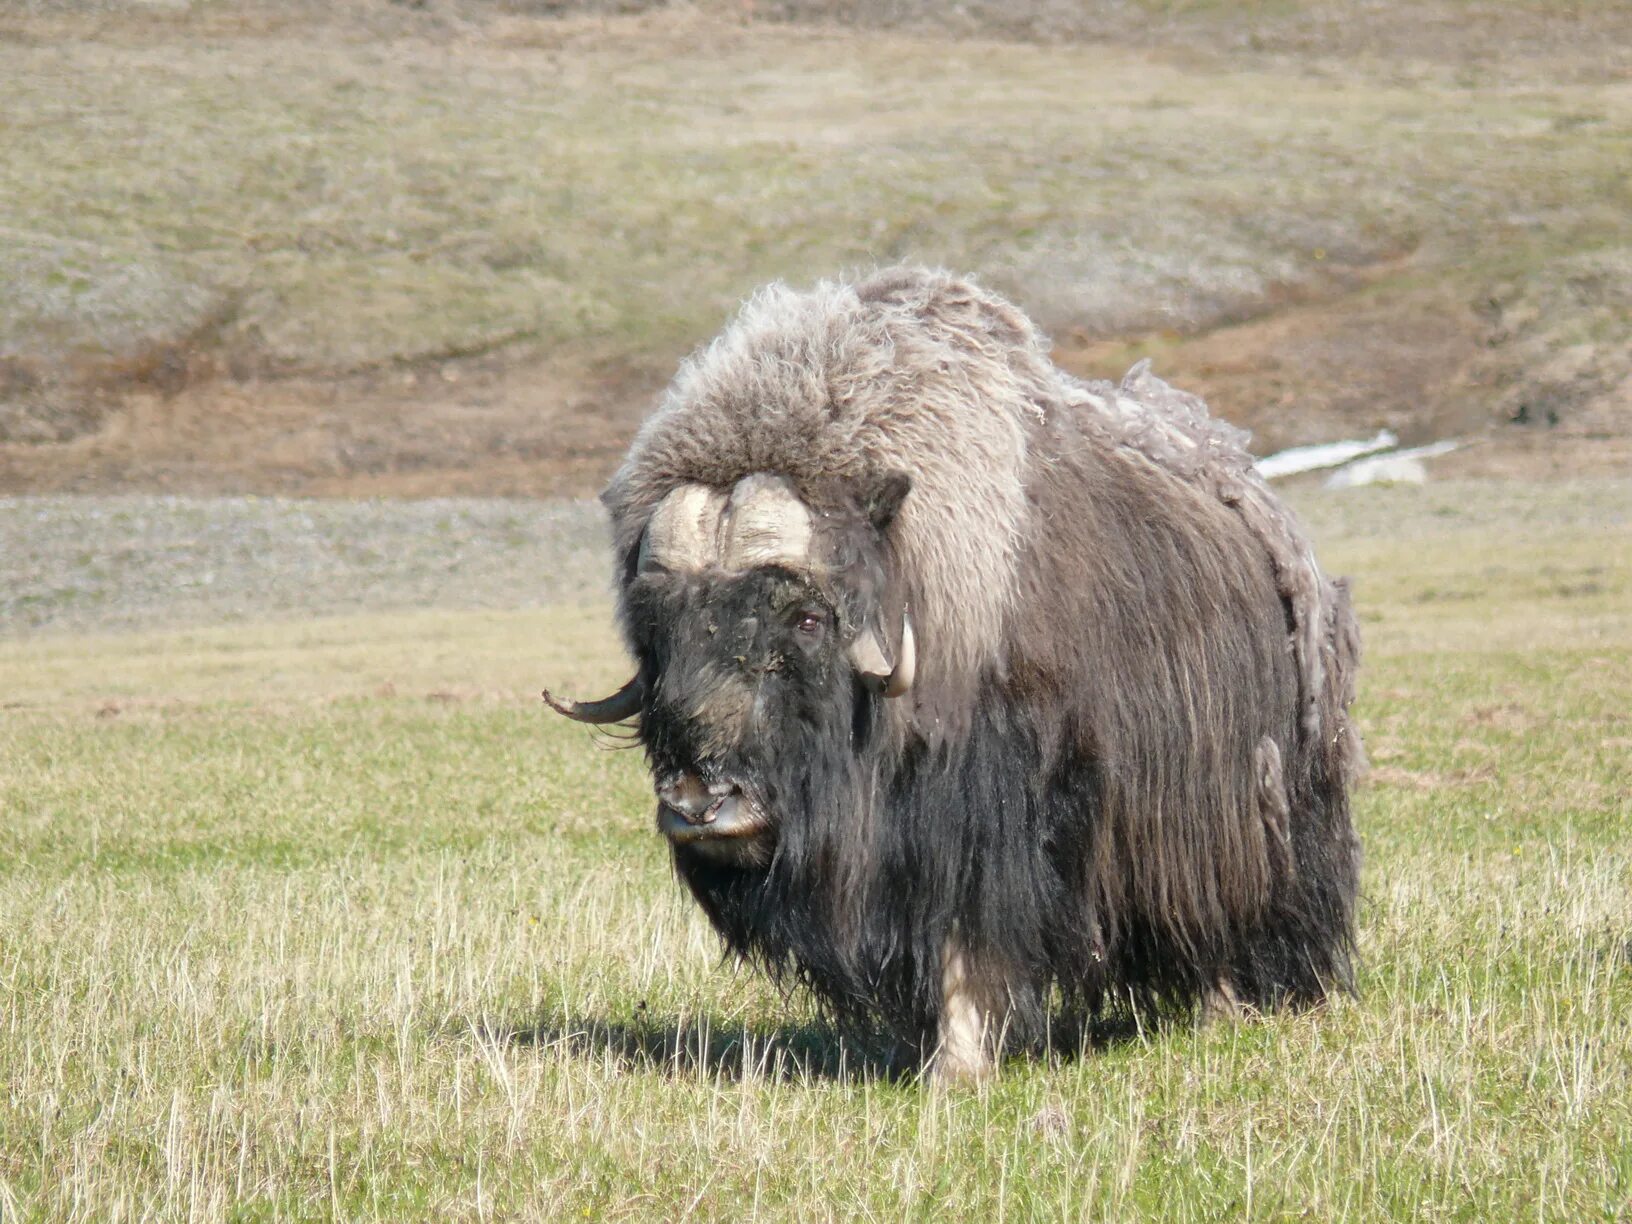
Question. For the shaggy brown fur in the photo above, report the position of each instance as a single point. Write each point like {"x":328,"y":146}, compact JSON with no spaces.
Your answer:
{"x":922,"y":372}
{"x":1110,"y":605}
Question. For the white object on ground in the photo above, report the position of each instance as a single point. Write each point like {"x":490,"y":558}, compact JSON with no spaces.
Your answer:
{"x":1322,"y":455}
{"x":1399,"y":467}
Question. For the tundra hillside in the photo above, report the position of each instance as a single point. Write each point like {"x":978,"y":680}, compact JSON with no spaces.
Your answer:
{"x":461,"y":246}
{"x":328,"y":916}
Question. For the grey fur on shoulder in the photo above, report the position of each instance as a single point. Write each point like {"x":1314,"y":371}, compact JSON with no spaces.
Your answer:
{"x":920,"y":371}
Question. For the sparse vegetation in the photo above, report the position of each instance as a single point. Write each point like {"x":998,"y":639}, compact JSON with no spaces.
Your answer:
{"x":324,"y":917}
{"x":590,"y":195}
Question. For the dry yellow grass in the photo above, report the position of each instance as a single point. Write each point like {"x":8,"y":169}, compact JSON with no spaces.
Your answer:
{"x":327,"y":918}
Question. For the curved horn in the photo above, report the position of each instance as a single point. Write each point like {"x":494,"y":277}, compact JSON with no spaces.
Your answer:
{"x":680,"y":535}
{"x":906,"y":667}
{"x":868,"y":657}
{"x":625,"y":703}
{"x":765,"y":524}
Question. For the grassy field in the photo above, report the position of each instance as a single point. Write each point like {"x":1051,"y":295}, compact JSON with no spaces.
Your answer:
{"x":327,"y":917}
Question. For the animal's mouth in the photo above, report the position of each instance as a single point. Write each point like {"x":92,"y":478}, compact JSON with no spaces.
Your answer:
{"x":689,"y":811}
{"x":732,"y":815}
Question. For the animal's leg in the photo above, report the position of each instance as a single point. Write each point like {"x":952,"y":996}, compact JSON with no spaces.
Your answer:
{"x":965,"y":1046}
{"x":1220,"y":1002}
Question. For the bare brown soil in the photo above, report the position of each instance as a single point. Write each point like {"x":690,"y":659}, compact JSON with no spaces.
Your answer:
{"x":1343,"y":366}
{"x":481,"y":427}
{"x":1310,"y":372}
{"x":1425,"y":365}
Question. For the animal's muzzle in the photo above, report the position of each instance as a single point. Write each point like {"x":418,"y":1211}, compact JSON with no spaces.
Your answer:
{"x":691,"y":810}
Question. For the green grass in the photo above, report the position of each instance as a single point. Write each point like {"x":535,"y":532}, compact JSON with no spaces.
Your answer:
{"x":613,"y":189}
{"x":330,"y":918}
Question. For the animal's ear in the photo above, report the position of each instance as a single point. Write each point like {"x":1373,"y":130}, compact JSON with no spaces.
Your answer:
{"x":884,"y":502}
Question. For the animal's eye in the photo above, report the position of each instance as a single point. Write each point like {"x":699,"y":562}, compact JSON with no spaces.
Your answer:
{"x":810,"y":622}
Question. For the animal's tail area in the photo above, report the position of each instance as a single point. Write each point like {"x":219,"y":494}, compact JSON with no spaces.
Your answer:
{"x":1345,"y":753}
{"x":1303,"y":948}
{"x":1320,"y":902}
{"x":1340,"y":650}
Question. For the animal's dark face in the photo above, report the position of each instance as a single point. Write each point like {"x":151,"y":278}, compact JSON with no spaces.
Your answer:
{"x":768,"y":635}
{"x":749,"y":688}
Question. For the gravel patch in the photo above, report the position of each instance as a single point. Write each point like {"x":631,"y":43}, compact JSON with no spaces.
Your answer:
{"x":114,"y":563}
{"x":139,"y":562}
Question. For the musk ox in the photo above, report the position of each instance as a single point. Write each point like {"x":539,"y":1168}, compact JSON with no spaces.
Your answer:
{"x":972,"y":690}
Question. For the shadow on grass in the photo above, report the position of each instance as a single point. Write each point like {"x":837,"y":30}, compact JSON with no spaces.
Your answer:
{"x":703,"y":1046}
{"x":817,"y":1050}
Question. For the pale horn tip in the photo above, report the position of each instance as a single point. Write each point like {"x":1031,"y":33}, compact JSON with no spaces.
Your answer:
{"x":625,"y":703}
